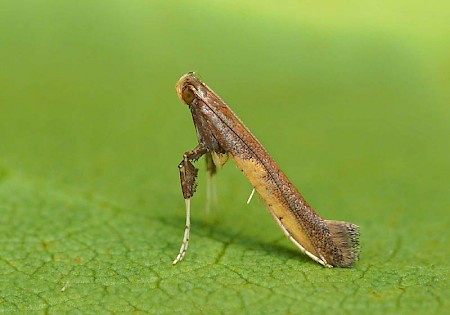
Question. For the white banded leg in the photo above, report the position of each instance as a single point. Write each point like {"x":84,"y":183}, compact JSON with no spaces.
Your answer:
{"x":184,"y":244}
{"x":293,"y":240}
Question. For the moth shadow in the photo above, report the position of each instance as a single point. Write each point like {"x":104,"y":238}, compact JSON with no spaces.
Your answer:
{"x":213,"y":230}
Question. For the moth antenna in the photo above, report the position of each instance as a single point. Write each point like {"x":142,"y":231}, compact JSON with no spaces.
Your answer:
{"x":251,"y":196}
{"x":185,"y":242}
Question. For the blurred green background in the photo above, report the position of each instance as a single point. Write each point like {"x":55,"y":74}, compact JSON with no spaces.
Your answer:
{"x":351,"y":99}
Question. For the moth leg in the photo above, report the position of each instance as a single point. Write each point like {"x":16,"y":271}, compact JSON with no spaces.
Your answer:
{"x":188,"y":174}
{"x":251,"y":196}
{"x":211,"y":193}
{"x":293,"y":240}
{"x":185,"y":242}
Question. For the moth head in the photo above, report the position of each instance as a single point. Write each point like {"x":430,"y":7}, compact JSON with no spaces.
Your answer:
{"x":185,"y":88}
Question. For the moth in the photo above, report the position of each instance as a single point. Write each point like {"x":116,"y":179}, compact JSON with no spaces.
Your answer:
{"x":222,"y":135}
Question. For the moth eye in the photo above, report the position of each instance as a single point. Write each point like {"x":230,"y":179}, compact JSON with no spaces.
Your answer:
{"x":188,"y":96}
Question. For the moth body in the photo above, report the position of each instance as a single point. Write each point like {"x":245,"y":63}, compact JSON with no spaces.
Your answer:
{"x":222,"y":134}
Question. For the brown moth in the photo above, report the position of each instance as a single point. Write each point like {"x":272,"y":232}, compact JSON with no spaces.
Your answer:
{"x":222,"y":135}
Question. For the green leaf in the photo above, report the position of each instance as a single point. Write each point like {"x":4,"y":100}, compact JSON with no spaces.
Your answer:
{"x":352,"y":104}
